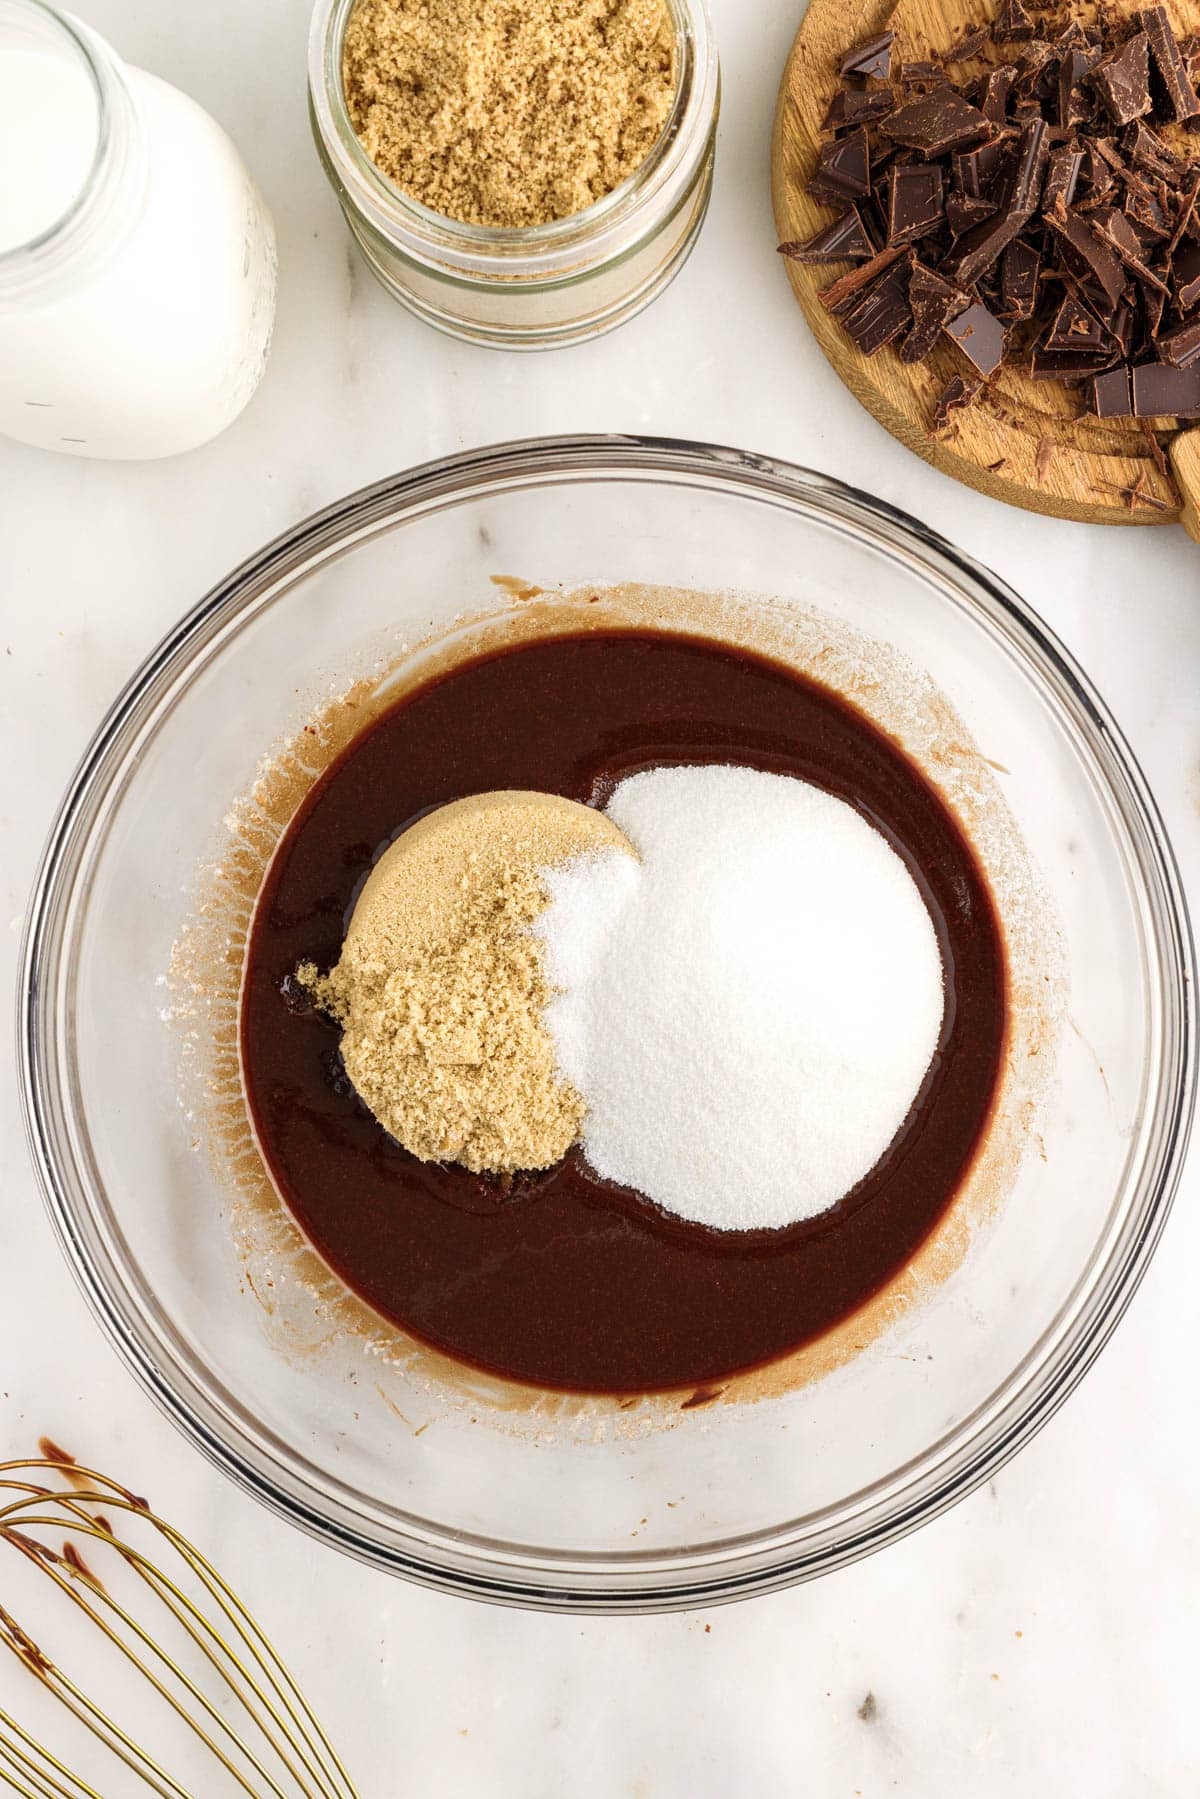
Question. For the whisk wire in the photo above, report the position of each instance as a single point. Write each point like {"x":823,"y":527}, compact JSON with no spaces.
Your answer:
{"x":264,"y":1690}
{"x":312,"y":1754}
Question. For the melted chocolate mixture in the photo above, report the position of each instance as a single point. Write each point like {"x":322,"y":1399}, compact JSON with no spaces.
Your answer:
{"x":561,"y":1279}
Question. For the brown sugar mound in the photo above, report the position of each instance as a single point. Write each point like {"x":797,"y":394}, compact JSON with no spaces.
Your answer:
{"x":440,"y":988}
{"x":509,"y":112}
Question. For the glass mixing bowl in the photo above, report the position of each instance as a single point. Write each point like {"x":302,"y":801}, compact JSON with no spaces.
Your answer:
{"x":557,"y":1509}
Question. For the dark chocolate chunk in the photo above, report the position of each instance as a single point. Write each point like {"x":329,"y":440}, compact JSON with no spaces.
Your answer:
{"x":979,"y":334}
{"x":962,"y":214}
{"x":1109,"y":396}
{"x":1185,"y":272}
{"x":1182,"y":100}
{"x":921,"y":74}
{"x":873,"y":58}
{"x":1074,"y":104}
{"x":1086,"y":253}
{"x":844,"y":169}
{"x":1066,"y":365}
{"x":882,"y":313}
{"x":1120,"y":329}
{"x":956,"y":394}
{"x":968,"y":46}
{"x":1019,"y":272}
{"x":846,"y":240}
{"x":1160,"y":391}
{"x":977,"y":171}
{"x":977,"y":249}
{"x":1147,"y":151}
{"x":1076,"y":328}
{"x":1024,"y":186}
{"x":937,"y":122}
{"x":1112,"y":225}
{"x":914,"y":201}
{"x":1180,"y":346}
{"x":1013,"y":24}
{"x":1122,"y":80}
{"x":994,"y":94}
{"x":1144,"y":210}
{"x":848,"y":110}
{"x":934,"y":302}
{"x":1062,"y":175}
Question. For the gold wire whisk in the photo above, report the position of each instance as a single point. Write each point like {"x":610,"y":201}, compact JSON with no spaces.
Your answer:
{"x":240,"y":1703}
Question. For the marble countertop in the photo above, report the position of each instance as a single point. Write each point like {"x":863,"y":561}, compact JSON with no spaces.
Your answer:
{"x":1038,"y":1639}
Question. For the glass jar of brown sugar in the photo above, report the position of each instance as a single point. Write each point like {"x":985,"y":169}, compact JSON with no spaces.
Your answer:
{"x":528,"y":286}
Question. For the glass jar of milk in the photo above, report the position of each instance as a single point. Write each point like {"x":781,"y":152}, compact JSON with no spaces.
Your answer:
{"x":137,"y":259}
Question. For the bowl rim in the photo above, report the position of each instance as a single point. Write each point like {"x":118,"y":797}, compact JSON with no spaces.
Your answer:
{"x":657,"y":1581}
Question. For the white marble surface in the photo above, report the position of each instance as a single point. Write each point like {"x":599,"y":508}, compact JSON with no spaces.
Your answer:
{"x":1041,"y":1638}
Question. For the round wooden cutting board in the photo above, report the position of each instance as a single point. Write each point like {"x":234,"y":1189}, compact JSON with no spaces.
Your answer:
{"x":1023,"y":441}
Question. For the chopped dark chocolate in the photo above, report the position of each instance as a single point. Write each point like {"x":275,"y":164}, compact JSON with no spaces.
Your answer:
{"x":1076,"y":328}
{"x":1074,"y":103}
{"x":1023,"y":189}
{"x":977,"y":249}
{"x":937,"y":122}
{"x":849,"y":109}
{"x":1013,"y":24}
{"x":976,"y":171}
{"x":1147,"y":151}
{"x":873,"y":58}
{"x":1122,"y":80}
{"x":1085,"y":253}
{"x":882,"y":313}
{"x":1180,"y":346}
{"x":1169,"y":64}
{"x":962,"y":214}
{"x":933,"y":302}
{"x":994,"y":95}
{"x":1160,"y":391}
{"x":1110,"y":397}
{"x":1062,"y":176}
{"x":1056,"y":211}
{"x":844,"y":169}
{"x":1185,"y":270}
{"x":956,"y":394}
{"x":921,"y":74}
{"x":1114,"y":228}
{"x":1019,"y":270}
{"x":846,"y":240}
{"x":969,"y":46}
{"x":914,"y":201}
{"x":980,"y":336}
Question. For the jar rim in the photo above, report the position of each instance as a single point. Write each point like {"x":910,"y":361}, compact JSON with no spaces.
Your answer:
{"x":42,"y":258}
{"x":605,"y":229}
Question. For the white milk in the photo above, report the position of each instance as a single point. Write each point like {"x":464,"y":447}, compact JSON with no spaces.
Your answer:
{"x":138,"y":325}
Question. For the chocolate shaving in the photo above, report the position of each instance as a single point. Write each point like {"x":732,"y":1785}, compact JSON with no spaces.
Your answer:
{"x":956,"y":393}
{"x":969,"y":46}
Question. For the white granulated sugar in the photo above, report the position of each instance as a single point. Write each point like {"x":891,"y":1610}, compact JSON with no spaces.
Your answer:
{"x":750,"y":1010}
